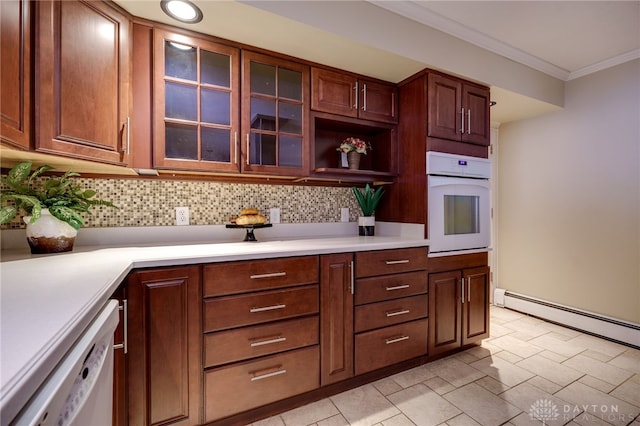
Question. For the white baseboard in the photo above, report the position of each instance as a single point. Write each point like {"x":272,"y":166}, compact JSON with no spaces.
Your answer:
{"x":599,"y":325}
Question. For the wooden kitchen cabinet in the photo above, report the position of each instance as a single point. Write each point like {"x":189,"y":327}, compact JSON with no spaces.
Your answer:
{"x":458,"y":302}
{"x":164,"y":361}
{"x":261,"y":333}
{"x":82,"y":80}
{"x":275,"y":116}
{"x":391,"y":312}
{"x":458,"y":111}
{"x":351,"y":96}
{"x":196,"y":103}
{"x":336,"y":314}
{"x":15,"y":81}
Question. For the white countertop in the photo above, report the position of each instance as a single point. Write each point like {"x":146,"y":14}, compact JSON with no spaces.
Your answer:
{"x":47,"y":301}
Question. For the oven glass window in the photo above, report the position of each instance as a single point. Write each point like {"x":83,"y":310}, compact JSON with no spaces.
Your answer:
{"x":461,"y":214}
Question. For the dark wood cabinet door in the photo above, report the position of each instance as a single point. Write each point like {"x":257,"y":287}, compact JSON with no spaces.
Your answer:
{"x":334,"y":92}
{"x":445,"y":107}
{"x":275,"y":116}
{"x":165,"y":346}
{"x":15,"y":82}
{"x":475,"y":313}
{"x":336,"y":318}
{"x":445,"y":313}
{"x":476,"y":103}
{"x":378,"y":102}
{"x":196,"y":104}
{"x":120,"y":404}
{"x":82,"y":80}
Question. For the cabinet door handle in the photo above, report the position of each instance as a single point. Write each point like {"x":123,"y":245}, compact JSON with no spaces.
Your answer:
{"x":400,"y":312}
{"x":127,"y":135}
{"x":468,"y":122}
{"x":267,"y":375}
{"x":462,"y":120}
{"x":355,"y":96}
{"x":247,"y":153}
{"x":125,"y":319}
{"x":468,"y":289}
{"x":353,"y":280}
{"x":268,"y":342}
{"x":364,"y":97}
{"x":396,"y":262}
{"x":397,"y":287}
{"x":235,"y":146}
{"x":267,"y":308}
{"x":396,"y":340}
{"x":270,"y":275}
{"x":462,"y":288}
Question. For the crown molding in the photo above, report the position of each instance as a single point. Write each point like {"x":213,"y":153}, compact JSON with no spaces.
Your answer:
{"x":607,"y":63}
{"x":419,"y":12}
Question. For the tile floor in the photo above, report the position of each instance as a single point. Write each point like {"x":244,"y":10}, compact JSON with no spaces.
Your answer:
{"x":528,"y":372}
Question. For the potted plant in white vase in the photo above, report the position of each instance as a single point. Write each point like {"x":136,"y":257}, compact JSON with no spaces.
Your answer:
{"x":368,"y":199}
{"x":53,"y":206}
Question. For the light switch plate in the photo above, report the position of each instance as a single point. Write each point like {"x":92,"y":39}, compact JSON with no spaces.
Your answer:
{"x":344,"y":214}
{"x":274,"y":215}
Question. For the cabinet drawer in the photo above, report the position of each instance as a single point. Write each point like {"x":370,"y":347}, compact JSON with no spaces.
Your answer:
{"x":222,"y":279}
{"x":386,"y":346}
{"x":383,"y":262}
{"x":236,"y":311}
{"x":249,"y":342}
{"x":386,"y":287}
{"x":382,"y":314}
{"x":240,"y":387}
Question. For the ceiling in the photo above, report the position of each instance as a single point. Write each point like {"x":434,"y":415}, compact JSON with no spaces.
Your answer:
{"x":563,"y":39}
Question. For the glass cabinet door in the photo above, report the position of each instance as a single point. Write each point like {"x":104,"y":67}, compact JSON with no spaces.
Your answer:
{"x":274,"y":115}
{"x":196,"y":108}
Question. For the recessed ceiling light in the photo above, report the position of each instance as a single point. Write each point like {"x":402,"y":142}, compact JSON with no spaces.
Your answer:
{"x":182,"y":10}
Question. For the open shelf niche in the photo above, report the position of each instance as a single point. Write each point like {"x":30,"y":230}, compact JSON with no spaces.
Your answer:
{"x":379,"y":165}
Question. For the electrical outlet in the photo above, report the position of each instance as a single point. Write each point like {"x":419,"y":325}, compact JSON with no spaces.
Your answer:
{"x":274,"y":215}
{"x":344,"y":214}
{"x":182,"y":215}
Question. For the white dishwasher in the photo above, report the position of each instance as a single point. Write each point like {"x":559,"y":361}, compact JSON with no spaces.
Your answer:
{"x":79,"y":391}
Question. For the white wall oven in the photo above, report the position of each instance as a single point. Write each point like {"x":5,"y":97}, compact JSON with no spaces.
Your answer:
{"x":459,"y":204}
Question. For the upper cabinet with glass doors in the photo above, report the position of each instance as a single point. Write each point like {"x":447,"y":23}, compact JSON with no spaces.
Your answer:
{"x":196,"y":116}
{"x":275,"y":114}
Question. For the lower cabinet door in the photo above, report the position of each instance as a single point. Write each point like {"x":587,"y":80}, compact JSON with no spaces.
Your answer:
{"x":386,"y":346}
{"x":243,"y":386}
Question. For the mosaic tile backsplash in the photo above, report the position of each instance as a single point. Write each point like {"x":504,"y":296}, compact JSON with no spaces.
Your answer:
{"x":152,"y":202}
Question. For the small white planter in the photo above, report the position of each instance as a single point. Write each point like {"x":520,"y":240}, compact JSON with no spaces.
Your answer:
{"x":367,"y":226}
{"x":49,"y":234}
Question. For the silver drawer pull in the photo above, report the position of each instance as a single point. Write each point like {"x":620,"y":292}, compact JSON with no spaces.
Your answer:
{"x":271,"y":275}
{"x":396,"y":340}
{"x":401,"y":312}
{"x":396,"y":262}
{"x":398,"y":287}
{"x":268,"y":342}
{"x":267,"y":308}
{"x":266,"y":376}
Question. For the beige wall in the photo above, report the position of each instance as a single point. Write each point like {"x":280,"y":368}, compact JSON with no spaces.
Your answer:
{"x":569,"y":198}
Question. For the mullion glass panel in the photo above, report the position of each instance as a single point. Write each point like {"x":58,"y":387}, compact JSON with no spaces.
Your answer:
{"x":181,"y":101}
{"x":290,"y":151}
{"x":180,"y":61}
{"x":290,"y":118}
{"x":215,"y":106}
{"x":215,"y":69}
{"x":263,"y":114}
{"x":263,"y":79}
{"x":181,"y":141}
{"x":289,"y":84}
{"x":262,"y":149}
{"x":216,"y":144}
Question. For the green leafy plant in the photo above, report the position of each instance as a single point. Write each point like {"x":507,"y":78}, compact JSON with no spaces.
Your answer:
{"x":368,"y":199}
{"x":64,"y":199}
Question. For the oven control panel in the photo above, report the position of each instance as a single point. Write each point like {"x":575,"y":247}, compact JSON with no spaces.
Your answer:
{"x":439,"y":163}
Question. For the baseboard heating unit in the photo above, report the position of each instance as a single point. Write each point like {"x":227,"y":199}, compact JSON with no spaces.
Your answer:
{"x":596,"y":324}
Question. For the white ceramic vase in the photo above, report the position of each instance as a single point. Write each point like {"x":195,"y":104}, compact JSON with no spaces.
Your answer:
{"x":49,"y":234}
